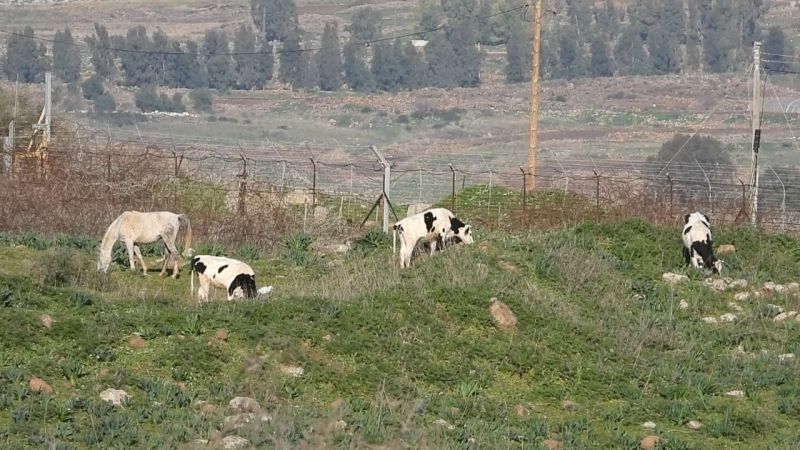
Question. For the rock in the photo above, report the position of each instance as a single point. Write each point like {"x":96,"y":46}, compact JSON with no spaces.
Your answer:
{"x":115,"y":396}
{"x":503,"y":316}
{"x":735,"y":394}
{"x":208,"y":408}
{"x":735,"y":306}
{"x":569,"y":405}
{"x":244,"y":404}
{"x":46,"y":321}
{"x":444,"y":424}
{"x":728,"y":317}
{"x":337,"y":404}
{"x":683,"y":304}
{"x":710,"y":319}
{"x":785,"y":357}
{"x":340,"y":425}
{"x":649,"y":425}
{"x":649,"y":442}
{"x":793,"y":286}
{"x":741,"y":296}
{"x":785,"y":316}
{"x":776,"y":308}
{"x":725,"y":249}
{"x":293,"y":371}
{"x":221,"y":334}
{"x":725,"y":283}
{"x":552,"y":444}
{"x":239,"y":420}
{"x":136,"y":341}
{"x":738,"y":284}
{"x":39,"y":385}
{"x":521,"y":411}
{"x":674,"y":278}
{"x":694,"y":425}
{"x":253,"y":364}
{"x":234,"y":443}
{"x":327,"y":338}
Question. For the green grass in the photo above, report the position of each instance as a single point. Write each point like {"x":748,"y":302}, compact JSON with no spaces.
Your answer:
{"x":391,"y":352}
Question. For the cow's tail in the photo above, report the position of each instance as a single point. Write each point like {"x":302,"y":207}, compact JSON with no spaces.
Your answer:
{"x":191,"y":280}
{"x":187,"y":236}
{"x":394,"y":237}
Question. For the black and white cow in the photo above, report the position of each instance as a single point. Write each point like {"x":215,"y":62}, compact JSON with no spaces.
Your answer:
{"x":698,"y":245}
{"x":436,"y":227}
{"x":236,"y":277}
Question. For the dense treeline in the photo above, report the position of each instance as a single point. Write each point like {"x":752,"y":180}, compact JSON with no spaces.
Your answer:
{"x":584,"y":39}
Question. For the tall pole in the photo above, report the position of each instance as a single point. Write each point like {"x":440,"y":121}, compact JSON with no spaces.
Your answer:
{"x":756,"y":129}
{"x":535,"y":88}
{"x":387,"y":185}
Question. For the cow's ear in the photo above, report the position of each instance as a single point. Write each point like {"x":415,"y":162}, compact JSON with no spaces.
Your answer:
{"x":686,"y":219}
{"x":707,"y":219}
{"x":466,"y":230}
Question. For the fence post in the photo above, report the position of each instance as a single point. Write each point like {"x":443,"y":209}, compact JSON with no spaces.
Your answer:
{"x":108,"y":166}
{"x":596,"y":195}
{"x":419,"y":198}
{"x":489,"y":204}
{"x":350,"y":195}
{"x":710,"y":201}
{"x":671,"y":185}
{"x":177,"y":161}
{"x":283,"y":176}
{"x":524,"y":190}
{"x":453,"y":198}
{"x":241,"y":207}
{"x":314,"y":183}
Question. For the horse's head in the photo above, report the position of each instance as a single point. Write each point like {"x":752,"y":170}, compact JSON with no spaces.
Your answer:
{"x":102,"y":263}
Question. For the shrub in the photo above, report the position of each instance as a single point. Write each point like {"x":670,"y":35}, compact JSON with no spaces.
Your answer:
{"x":59,"y":267}
{"x":93,"y":88}
{"x":370,"y":241}
{"x":104,"y":103}
{"x":203,"y":100}
{"x":297,"y":249}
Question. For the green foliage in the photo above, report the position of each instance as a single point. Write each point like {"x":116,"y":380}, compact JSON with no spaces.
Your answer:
{"x":291,"y":69}
{"x":104,"y":103}
{"x":25,"y":57}
{"x":297,"y":249}
{"x":696,"y":149}
{"x":328,"y":59}
{"x":138,"y":67}
{"x":100,"y":48}
{"x":369,"y":242}
{"x":357,"y":75}
{"x":781,"y":52}
{"x":93,"y":87}
{"x":600,"y":60}
{"x":518,"y":55}
{"x":203,"y":100}
{"x":442,"y":64}
{"x":66,"y":57}
{"x":246,"y":65}
{"x":275,"y":19}
{"x":148,"y":100}
{"x":219,"y":65}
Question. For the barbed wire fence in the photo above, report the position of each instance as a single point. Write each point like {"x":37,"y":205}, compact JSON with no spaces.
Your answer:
{"x":272,"y":190}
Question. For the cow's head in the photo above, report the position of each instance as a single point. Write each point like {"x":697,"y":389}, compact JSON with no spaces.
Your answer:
{"x":716,"y":267}
{"x":463,"y":234}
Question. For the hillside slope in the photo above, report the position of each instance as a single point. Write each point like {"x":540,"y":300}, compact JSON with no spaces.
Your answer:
{"x":408,"y":359}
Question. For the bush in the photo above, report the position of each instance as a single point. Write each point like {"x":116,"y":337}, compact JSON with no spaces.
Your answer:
{"x":93,"y":88}
{"x":59,"y":267}
{"x":370,"y":241}
{"x":104,"y":103}
{"x":203,"y":100}
{"x":297,"y":249}
{"x":148,"y":100}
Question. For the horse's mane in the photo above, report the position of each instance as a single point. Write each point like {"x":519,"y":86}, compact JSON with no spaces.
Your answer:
{"x":110,"y":237}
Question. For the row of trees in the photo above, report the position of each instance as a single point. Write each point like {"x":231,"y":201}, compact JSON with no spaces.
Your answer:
{"x":591,"y":39}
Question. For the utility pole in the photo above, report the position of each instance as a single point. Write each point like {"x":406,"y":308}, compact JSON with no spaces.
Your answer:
{"x":756,"y":130}
{"x":535,"y":88}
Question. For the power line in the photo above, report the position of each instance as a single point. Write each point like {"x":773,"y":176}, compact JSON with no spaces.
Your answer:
{"x":366,"y":43}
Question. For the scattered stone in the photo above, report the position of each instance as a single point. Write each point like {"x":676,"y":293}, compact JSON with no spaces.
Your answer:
{"x":293,"y":371}
{"x":507,"y":266}
{"x":785,"y":357}
{"x":521,"y":411}
{"x":735,"y":394}
{"x":327,"y":338}
{"x":244,"y":404}
{"x":337,"y":404}
{"x":136,"y":341}
{"x":234,"y":443}
{"x":785,"y":316}
{"x":674,"y":278}
{"x":741,"y":296}
{"x":221,"y":334}
{"x":694,"y":425}
{"x":569,"y":405}
{"x":728,"y":317}
{"x":208,"y":408}
{"x":340,"y":425}
{"x":114,"y":396}
{"x":444,"y":424}
{"x":769,"y":286}
{"x":683,"y":304}
{"x":649,"y":442}
{"x":239,"y":420}
{"x":738,"y":284}
{"x":793,"y":286}
{"x":725,"y":283}
{"x":201,"y":441}
{"x":649,"y":425}
{"x":710,"y":319}
{"x":552,"y":444}
{"x":103,"y":372}
{"x":724,"y":249}
{"x":46,"y":320}
{"x":39,"y":385}
{"x":735,"y":306}
{"x":503,"y":316}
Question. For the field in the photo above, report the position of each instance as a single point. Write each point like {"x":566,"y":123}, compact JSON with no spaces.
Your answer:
{"x":396,"y":359}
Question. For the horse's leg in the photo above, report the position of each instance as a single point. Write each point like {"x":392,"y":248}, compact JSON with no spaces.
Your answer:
{"x":129,"y":245}
{"x":137,"y":251}
{"x":167,"y":257}
{"x":173,"y":256}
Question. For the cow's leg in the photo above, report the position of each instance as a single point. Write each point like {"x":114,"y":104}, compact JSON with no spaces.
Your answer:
{"x":686,"y":256}
{"x":203,"y":290}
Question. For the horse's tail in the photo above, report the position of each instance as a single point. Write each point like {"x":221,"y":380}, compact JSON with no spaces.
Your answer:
{"x":187,"y":236}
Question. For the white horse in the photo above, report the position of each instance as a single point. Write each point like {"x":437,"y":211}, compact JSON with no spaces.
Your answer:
{"x":134,"y":227}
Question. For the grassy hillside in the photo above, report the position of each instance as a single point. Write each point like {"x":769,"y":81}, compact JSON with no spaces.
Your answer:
{"x":406,"y":359}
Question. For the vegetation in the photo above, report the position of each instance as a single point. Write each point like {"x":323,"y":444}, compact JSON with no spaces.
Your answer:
{"x":409,"y":358}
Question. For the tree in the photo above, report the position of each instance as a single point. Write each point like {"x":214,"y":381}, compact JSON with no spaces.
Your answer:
{"x":328,"y":59}
{"x":462,"y":32}
{"x":100,"y":48}
{"x":694,"y":150}
{"x":275,"y":19}
{"x":245,"y":59}
{"x":216,"y":52}
{"x":431,"y":17}
{"x":104,"y":103}
{"x":719,"y":35}
{"x":780,"y":52}
{"x":24,"y":58}
{"x":203,"y":100}
{"x":692,"y":38}
{"x":518,"y":55}
{"x":137,"y":65}
{"x":310,"y":74}
{"x":385,"y":67}
{"x":158,"y":61}
{"x":600,"y":60}
{"x":570,"y":54}
{"x":265,"y":64}
{"x":357,"y":75}
{"x":663,"y":52}
{"x":365,"y":25}
{"x":417,"y":70}
{"x":93,"y":87}
{"x":291,"y":68}
{"x":66,"y":57}
{"x":629,"y":53}
{"x":442,"y":70}
{"x":486,"y":30}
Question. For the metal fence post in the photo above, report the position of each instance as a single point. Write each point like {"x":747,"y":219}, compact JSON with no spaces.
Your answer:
{"x":671,"y":192}
{"x":314,"y":183}
{"x":596,"y":195}
{"x":453,"y":198}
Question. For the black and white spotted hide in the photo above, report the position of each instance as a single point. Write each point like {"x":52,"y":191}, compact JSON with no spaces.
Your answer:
{"x":698,"y":243}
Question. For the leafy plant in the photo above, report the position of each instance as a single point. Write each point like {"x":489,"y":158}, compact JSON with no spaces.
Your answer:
{"x":370,"y":241}
{"x":297,"y":249}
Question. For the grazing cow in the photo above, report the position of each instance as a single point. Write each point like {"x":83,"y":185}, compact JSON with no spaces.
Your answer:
{"x":437,"y":227}
{"x":236,"y":277}
{"x":698,"y":246}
